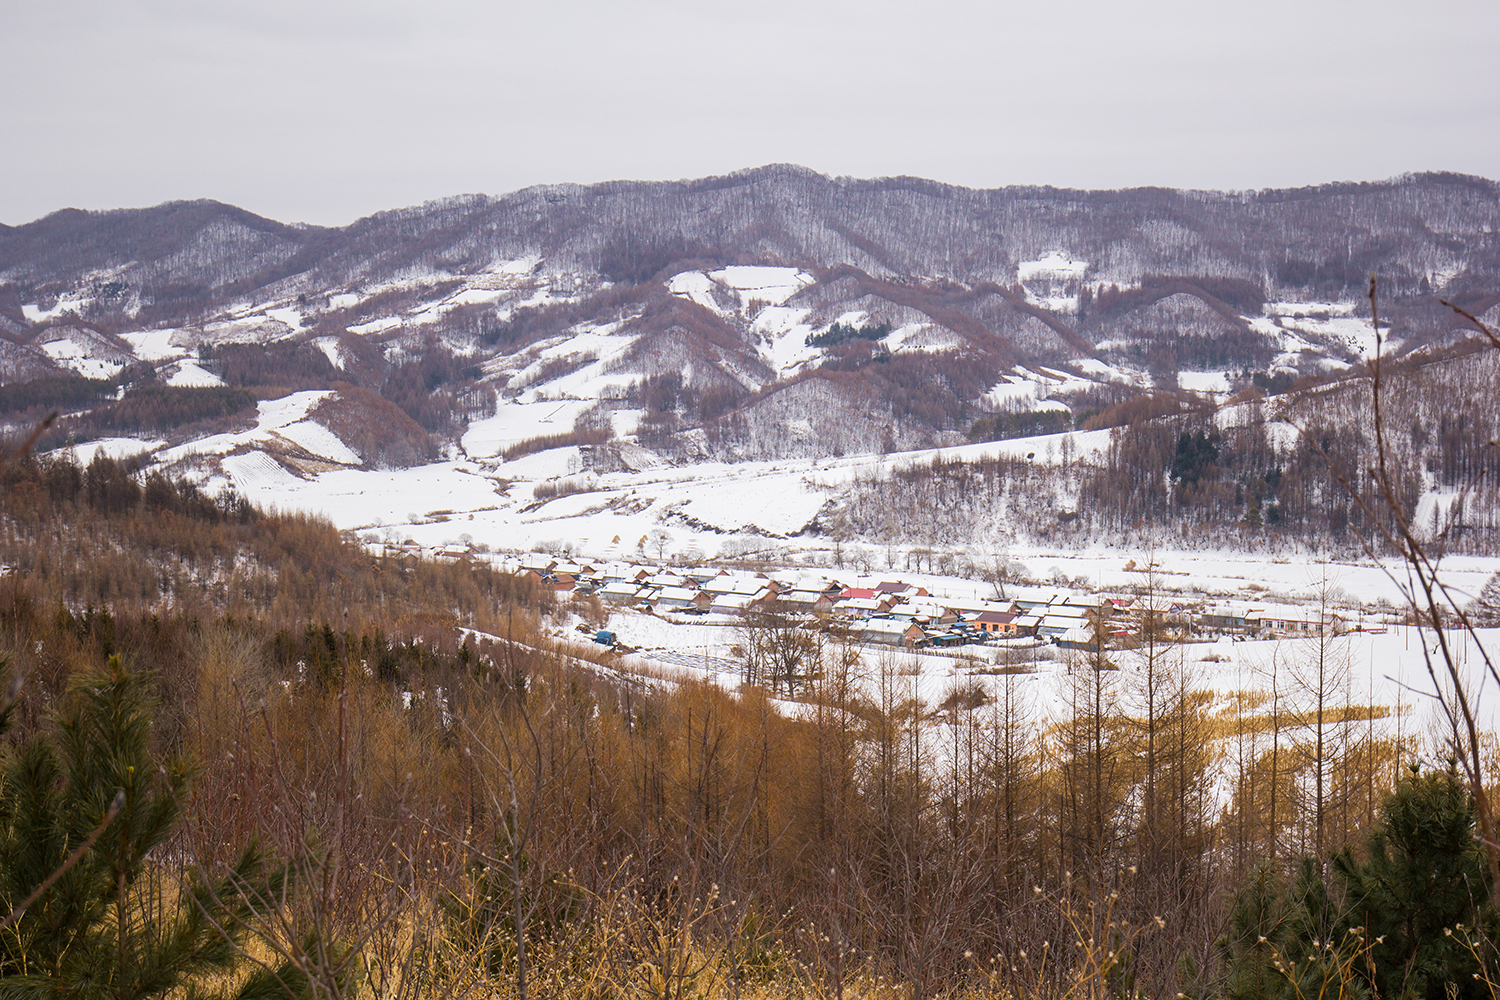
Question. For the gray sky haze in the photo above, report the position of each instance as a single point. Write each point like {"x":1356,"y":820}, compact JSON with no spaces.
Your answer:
{"x":327,"y":111}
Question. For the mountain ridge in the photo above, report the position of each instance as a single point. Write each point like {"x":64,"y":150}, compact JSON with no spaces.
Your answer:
{"x":768,"y":314}
{"x":18,"y":244}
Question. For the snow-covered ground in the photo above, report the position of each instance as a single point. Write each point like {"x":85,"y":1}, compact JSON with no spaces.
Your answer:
{"x":1337,"y":324}
{"x":283,"y":419}
{"x":192,"y":374}
{"x":156,"y":345}
{"x":75,"y":356}
{"x":700,"y":508}
{"x":550,"y":499}
{"x":116,"y":448}
{"x":1388,"y":670}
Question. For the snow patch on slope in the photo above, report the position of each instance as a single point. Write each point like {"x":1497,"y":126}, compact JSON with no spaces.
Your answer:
{"x":772,"y":285}
{"x":1209,"y":383}
{"x":72,"y":355}
{"x":255,"y":471}
{"x":784,"y":330}
{"x":1052,"y":264}
{"x":287,"y":315}
{"x":274,"y":415}
{"x":190,"y":373}
{"x":120,"y":447}
{"x":331,"y":350}
{"x":155,"y":345}
{"x":696,"y":287}
{"x":319,"y":440}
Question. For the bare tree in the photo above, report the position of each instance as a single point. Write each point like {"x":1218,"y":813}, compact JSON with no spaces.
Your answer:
{"x":1433,"y":602}
{"x":783,"y":649}
{"x":1154,"y":641}
{"x":997,"y":571}
{"x":1320,"y":675}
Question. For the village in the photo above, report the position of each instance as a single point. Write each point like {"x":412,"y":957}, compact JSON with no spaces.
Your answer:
{"x":909,"y":615}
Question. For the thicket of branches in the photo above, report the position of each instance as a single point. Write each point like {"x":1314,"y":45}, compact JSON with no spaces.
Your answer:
{"x":1288,"y":471}
{"x":575,"y":831}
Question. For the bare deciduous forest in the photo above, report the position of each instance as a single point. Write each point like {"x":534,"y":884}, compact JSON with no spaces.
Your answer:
{"x":245,"y":757}
{"x":487,"y":812}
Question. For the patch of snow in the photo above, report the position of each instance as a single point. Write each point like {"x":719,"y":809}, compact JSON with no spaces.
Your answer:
{"x":1093,"y":366}
{"x":380,"y":325}
{"x":250,"y":330}
{"x":554,"y":463}
{"x":1020,"y":394}
{"x":274,"y":414}
{"x":1054,"y":303}
{"x":1263,"y":325}
{"x":516,"y":421}
{"x":1054,"y":379}
{"x":785,"y":330}
{"x":155,"y":345}
{"x":1052,"y":264}
{"x":63,"y":350}
{"x":1205,"y":382}
{"x":121,"y":447}
{"x":474,"y":297}
{"x":1353,"y":333}
{"x":66,"y":305}
{"x":520,"y":266}
{"x":593,"y":380}
{"x":72,"y":355}
{"x":331,"y":350}
{"x":695,"y":286}
{"x":288,"y":315}
{"x":320,"y":441}
{"x":363,"y":499}
{"x":772,"y":285}
{"x":255,"y":471}
{"x":1434,"y":513}
{"x":191,"y":374}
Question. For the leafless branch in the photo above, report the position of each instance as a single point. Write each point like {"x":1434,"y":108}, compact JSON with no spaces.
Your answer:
{"x":6,"y":458}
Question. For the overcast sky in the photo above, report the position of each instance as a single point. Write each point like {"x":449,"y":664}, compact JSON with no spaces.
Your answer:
{"x":326,"y":111}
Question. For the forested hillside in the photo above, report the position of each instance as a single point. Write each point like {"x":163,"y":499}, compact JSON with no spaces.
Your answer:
{"x":1263,"y":473}
{"x":805,"y":314}
{"x":472,"y":806}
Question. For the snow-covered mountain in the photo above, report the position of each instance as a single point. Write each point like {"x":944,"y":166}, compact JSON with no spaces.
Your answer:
{"x":562,"y":335}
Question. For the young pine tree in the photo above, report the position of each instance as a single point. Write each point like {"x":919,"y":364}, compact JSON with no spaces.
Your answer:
{"x":83,"y":812}
{"x":1423,"y":892}
{"x":1406,"y":922}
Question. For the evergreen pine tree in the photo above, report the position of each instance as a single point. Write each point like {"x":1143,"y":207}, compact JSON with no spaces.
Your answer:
{"x":1255,"y":940}
{"x":82,"y":811}
{"x":1421,"y":892}
{"x":1320,"y":954}
{"x":1404,"y":922}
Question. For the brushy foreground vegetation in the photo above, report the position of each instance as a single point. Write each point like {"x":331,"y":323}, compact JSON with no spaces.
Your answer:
{"x":354,"y":776}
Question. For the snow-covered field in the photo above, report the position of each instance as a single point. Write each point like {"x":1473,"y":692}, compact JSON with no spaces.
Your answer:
{"x":284,"y":418}
{"x":685,"y":513}
{"x":1387,"y":669}
{"x":1390,"y":680}
{"x":700,"y":508}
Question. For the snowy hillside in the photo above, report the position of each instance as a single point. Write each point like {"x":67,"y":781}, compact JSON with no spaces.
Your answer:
{"x":781,"y":359}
